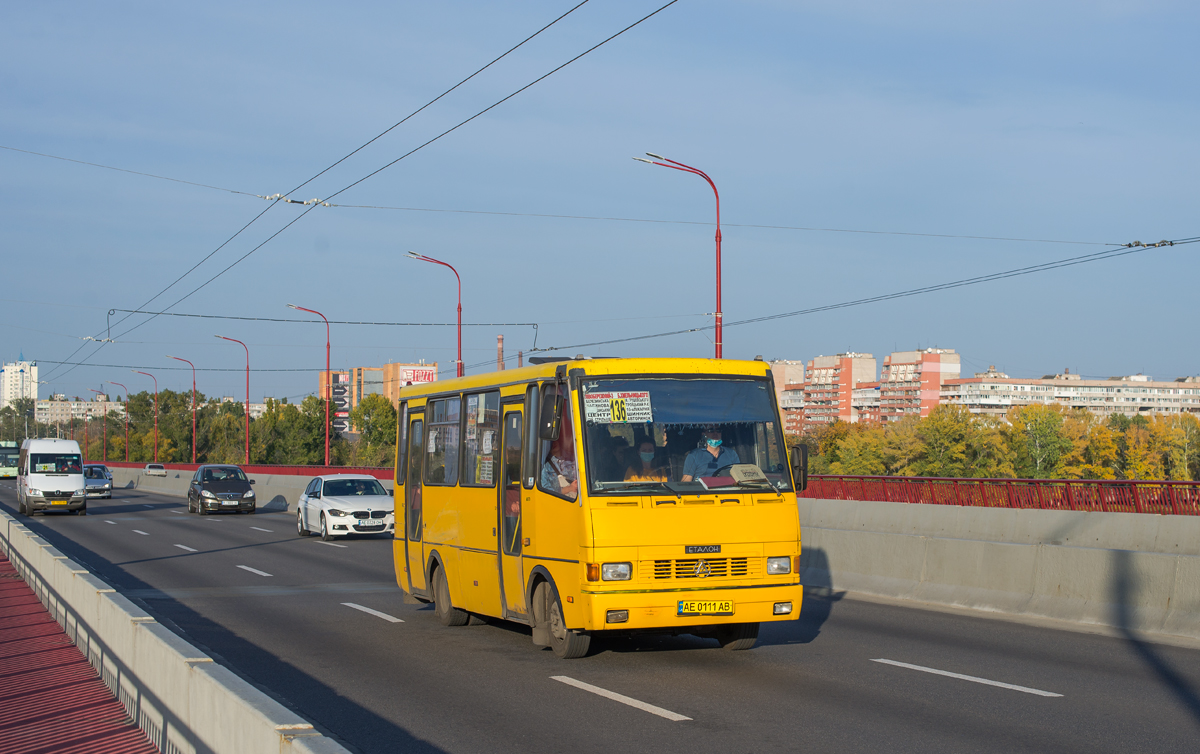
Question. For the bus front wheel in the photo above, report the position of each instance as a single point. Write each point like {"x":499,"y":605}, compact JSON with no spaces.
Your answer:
{"x":737,"y":636}
{"x":445,"y":610}
{"x":548,"y":614}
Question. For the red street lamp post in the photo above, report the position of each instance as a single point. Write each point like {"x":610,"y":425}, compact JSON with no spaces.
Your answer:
{"x":126,"y":417}
{"x":423,"y":258}
{"x":243,"y":345}
{"x":696,"y":171}
{"x":193,"y":366}
{"x":328,"y":375}
{"x":155,"y":410}
{"x":104,"y":450}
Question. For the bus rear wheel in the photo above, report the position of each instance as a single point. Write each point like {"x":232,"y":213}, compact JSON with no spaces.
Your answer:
{"x":443,"y":608}
{"x":548,"y":612}
{"x":737,"y":636}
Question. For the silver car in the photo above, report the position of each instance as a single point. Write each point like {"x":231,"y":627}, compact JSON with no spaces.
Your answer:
{"x":98,"y":480}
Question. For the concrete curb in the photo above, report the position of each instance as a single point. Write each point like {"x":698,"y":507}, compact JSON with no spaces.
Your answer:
{"x":185,"y":702}
{"x":1130,"y":572}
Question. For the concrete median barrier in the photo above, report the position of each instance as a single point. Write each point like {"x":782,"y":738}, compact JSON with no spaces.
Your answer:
{"x":184,"y":701}
{"x":1117,"y":571}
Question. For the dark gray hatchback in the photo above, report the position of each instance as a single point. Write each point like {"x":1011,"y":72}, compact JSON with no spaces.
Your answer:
{"x":220,"y":488}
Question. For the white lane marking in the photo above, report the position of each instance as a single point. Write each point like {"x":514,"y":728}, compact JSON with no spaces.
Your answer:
{"x":259,"y":528}
{"x":185,"y":547}
{"x":143,"y":533}
{"x":109,"y":522}
{"x":675,"y":716}
{"x":254,"y":570}
{"x":971,"y":678}
{"x":147,"y":505}
{"x":376,"y":613}
{"x":331,"y":544}
{"x":180,"y":513}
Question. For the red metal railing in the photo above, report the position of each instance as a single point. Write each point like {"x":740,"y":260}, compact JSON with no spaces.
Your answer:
{"x":266,"y":468}
{"x":1122,"y":496}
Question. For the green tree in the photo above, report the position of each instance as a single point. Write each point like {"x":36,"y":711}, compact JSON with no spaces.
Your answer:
{"x":944,"y":434}
{"x":1041,"y":440}
{"x":903,"y":446}
{"x":861,"y":453}
{"x":375,"y":419}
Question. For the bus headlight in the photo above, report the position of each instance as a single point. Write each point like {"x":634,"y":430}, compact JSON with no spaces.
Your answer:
{"x":779,"y":566}
{"x":616,"y":571}
{"x":31,"y":492}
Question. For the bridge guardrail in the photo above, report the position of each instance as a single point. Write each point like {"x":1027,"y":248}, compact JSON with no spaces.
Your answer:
{"x":1107,"y":496}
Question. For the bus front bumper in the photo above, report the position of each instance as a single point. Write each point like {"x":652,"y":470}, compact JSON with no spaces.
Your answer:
{"x":74,"y":503}
{"x":651,"y":609}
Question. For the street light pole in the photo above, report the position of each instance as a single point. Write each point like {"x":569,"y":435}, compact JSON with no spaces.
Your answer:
{"x":193,"y":366}
{"x":696,"y":171}
{"x":243,"y":345}
{"x":126,"y":417}
{"x":104,"y":450}
{"x":423,"y":258}
{"x":328,"y":375}
{"x":155,"y":410}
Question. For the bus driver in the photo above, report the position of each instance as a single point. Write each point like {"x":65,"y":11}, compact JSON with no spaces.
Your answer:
{"x":706,"y":459}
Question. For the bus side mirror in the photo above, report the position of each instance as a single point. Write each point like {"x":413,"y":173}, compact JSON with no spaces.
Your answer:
{"x":799,"y":457}
{"x":551,"y":413}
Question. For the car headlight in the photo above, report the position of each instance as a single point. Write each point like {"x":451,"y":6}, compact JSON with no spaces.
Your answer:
{"x":338,"y":513}
{"x":107,"y":485}
{"x":207,"y":494}
{"x":616,"y":571}
{"x":776,"y":566}
{"x":79,"y":493}
{"x":249,"y":494}
{"x":31,"y":492}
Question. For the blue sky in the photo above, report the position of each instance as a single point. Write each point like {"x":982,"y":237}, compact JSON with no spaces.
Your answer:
{"x":1070,"y":121}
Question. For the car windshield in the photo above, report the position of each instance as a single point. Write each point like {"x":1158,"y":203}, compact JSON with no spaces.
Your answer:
{"x":682,"y":435}
{"x":222,"y":474}
{"x":348,"y":487}
{"x":56,"y":463}
{"x":94,"y":472}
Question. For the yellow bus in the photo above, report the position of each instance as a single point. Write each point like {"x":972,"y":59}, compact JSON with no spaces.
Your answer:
{"x":586,"y":495}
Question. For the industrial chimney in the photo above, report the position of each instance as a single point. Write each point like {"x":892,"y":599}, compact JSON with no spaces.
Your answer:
{"x":500,"y":353}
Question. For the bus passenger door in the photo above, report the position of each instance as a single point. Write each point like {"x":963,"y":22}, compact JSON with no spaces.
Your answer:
{"x":511,"y":579}
{"x":413,"y":510}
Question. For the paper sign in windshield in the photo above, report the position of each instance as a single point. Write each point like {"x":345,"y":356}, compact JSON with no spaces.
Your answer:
{"x":617,"y":407}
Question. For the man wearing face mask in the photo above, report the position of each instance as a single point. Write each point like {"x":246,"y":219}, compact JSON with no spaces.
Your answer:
{"x":706,"y":459}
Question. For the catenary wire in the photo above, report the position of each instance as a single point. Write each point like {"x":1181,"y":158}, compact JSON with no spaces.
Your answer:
{"x":273,"y":203}
{"x":1134,"y":247}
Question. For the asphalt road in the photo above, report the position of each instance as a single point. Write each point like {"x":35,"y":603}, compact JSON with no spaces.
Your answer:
{"x":849,"y":675}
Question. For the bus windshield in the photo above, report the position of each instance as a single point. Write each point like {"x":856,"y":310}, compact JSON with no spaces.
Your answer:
{"x":683,"y":435}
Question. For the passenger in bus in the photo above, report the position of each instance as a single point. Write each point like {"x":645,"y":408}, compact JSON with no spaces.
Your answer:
{"x":710,"y":456}
{"x":646,"y":471}
{"x":559,"y":472}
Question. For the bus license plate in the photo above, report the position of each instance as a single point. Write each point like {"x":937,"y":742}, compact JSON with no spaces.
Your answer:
{"x":706,"y":607}
{"x":58,"y":502}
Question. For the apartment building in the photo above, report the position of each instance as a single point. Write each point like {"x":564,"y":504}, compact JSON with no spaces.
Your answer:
{"x":59,"y":410}
{"x":788,"y":377}
{"x":829,"y":383}
{"x":396,"y":376}
{"x":911,"y":381}
{"x":864,"y":402}
{"x":18,"y":379}
{"x":994,"y":393}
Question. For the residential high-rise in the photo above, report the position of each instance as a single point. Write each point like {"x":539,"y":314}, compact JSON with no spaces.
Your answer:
{"x":911,"y":381}
{"x":829,"y":383}
{"x":993,"y":392}
{"x":18,"y":379}
{"x":788,"y":377}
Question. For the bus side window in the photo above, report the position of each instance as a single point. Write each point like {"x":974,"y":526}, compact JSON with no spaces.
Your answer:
{"x":442,"y":444}
{"x":530,"y":467}
{"x":401,"y":441}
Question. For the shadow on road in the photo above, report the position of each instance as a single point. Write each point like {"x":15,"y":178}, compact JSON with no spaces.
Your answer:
{"x":1125,"y":587}
{"x":819,"y":599}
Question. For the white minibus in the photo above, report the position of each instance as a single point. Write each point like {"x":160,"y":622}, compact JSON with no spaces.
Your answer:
{"x":50,"y":477}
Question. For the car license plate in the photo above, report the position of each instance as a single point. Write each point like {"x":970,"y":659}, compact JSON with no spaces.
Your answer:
{"x":705,"y":607}
{"x":370,"y":524}
{"x":229,"y":502}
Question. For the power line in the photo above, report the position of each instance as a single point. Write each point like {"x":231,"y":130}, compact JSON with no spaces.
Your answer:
{"x":158,"y":368}
{"x":1134,"y":247}
{"x":243,"y":228}
{"x":410,"y":153}
{"x":333,"y":321}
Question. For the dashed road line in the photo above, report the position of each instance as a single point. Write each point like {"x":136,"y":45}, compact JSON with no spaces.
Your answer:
{"x":179,"y":512}
{"x":109,"y":522}
{"x":147,"y":505}
{"x":259,"y":528}
{"x":185,"y":547}
{"x":376,"y":613}
{"x":973,"y":679}
{"x":143,"y":533}
{"x":254,"y":570}
{"x":644,"y":706}
{"x":331,"y":544}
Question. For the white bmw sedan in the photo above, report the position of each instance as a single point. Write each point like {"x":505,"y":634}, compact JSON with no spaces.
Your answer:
{"x":339,"y":504}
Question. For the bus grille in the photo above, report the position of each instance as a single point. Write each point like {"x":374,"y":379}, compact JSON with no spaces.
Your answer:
{"x":691,"y":568}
